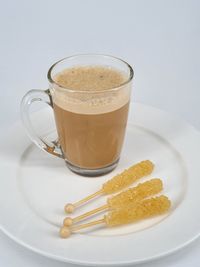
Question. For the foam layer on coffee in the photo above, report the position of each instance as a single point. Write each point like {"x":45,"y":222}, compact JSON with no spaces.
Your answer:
{"x":84,"y":81}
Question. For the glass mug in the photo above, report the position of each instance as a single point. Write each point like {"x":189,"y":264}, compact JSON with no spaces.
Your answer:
{"x":90,"y":124}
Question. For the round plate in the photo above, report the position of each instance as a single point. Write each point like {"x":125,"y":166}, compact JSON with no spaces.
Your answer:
{"x":35,"y":186}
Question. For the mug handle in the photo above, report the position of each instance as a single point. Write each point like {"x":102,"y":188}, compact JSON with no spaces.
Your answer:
{"x":30,"y":97}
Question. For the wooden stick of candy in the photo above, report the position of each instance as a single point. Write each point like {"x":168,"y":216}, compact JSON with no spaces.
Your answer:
{"x":143,"y":210}
{"x":129,"y":196}
{"x":117,"y":183}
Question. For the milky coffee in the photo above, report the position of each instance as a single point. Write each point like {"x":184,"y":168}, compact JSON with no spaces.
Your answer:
{"x":90,"y":118}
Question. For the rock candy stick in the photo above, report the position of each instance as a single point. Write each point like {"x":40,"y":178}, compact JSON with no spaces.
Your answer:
{"x":139,"y":192}
{"x":130,"y":196}
{"x":143,"y":210}
{"x":127,"y":177}
{"x":117,"y":183}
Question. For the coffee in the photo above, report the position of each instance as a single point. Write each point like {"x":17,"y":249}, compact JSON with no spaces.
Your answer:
{"x":90,"y":96}
{"x":91,"y":120}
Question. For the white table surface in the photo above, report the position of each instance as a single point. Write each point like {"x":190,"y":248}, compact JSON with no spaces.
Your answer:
{"x":161,"y":39}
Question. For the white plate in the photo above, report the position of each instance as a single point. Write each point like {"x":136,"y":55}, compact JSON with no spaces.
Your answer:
{"x":35,"y":186}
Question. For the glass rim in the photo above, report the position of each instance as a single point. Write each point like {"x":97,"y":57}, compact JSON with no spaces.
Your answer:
{"x":52,"y":81}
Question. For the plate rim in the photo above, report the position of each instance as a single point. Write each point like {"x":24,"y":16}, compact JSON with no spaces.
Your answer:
{"x":81,"y":263}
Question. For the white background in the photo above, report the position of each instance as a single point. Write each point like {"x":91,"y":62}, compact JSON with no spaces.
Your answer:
{"x":160,"y":39}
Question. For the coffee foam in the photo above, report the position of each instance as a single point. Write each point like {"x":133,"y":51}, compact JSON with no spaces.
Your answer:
{"x":83,"y":81}
{"x":91,"y":103}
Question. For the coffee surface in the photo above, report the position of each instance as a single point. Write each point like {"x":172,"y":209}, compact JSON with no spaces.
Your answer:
{"x":91,"y":126}
{"x":93,"y":78}
{"x":91,"y":94}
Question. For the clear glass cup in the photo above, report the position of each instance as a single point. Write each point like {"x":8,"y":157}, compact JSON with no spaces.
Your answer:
{"x":90,"y":124}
